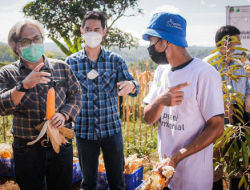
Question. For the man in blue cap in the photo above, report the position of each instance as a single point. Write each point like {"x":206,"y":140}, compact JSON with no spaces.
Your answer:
{"x":186,"y":101}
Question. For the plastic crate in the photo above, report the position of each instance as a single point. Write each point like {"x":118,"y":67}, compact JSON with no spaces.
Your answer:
{"x":7,"y":167}
{"x":102,"y":183}
{"x":131,"y":180}
{"x":140,"y":186}
{"x":77,"y":173}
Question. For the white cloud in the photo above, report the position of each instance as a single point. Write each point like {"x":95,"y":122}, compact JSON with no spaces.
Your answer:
{"x":202,"y":2}
{"x":166,"y":8}
{"x":212,"y":5}
{"x":202,"y":35}
{"x":139,"y":35}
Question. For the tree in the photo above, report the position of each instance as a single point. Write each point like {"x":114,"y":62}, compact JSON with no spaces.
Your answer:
{"x":234,"y":150}
{"x":63,"y":20}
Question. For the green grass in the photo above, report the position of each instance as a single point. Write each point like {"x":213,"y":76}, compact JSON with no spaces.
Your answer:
{"x":141,"y":148}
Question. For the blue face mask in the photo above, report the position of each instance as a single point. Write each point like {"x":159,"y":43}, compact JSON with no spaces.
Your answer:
{"x":32,"y":53}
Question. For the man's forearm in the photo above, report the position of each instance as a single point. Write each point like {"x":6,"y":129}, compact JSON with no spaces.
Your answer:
{"x":213,"y":130}
{"x":152,"y":112}
{"x":16,"y":96}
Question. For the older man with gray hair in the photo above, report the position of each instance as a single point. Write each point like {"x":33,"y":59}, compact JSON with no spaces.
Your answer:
{"x":24,"y":86}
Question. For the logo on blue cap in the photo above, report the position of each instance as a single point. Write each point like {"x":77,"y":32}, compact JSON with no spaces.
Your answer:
{"x":170,"y":23}
{"x":168,"y":26}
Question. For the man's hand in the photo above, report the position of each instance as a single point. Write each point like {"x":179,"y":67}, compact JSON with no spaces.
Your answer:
{"x":166,"y":162}
{"x":57,"y":121}
{"x":36,"y":77}
{"x":126,"y":87}
{"x":247,"y":103}
{"x":172,"y":96}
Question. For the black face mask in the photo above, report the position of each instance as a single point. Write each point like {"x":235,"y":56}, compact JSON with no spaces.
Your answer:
{"x":157,"y":57}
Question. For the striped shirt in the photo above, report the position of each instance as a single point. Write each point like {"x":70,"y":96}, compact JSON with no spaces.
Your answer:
{"x":99,"y":115}
{"x":32,"y":109}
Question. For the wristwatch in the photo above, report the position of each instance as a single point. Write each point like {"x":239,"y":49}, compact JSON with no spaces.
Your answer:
{"x":19,"y":87}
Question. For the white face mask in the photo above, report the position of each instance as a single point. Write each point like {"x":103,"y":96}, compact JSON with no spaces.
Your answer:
{"x":92,"y":39}
{"x":237,"y":51}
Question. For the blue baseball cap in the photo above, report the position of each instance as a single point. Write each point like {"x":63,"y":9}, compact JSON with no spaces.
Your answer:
{"x":168,"y":26}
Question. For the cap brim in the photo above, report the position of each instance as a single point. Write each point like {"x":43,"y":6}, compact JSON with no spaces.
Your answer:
{"x":172,"y":38}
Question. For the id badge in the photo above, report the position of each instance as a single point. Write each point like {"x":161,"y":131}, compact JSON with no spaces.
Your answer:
{"x":92,"y":74}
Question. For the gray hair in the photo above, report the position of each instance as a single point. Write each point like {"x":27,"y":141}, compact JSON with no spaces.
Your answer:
{"x":16,"y":30}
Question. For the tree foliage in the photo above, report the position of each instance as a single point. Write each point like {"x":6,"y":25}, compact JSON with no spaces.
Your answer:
{"x":63,"y":20}
{"x":234,"y":144}
{"x":6,"y":54}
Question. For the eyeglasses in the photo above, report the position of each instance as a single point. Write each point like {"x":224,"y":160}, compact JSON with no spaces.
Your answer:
{"x":36,"y":40}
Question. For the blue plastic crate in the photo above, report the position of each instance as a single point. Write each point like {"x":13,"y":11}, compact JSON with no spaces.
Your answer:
{"x":7,"y":167}
{"x":140,"y":186}
{"x":134,"y":180}
{"x":77,"y":173}
{"x":131,"y":180}
{"x":102,"y":183}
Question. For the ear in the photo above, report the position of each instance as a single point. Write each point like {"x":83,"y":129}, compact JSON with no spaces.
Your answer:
{"x":104,"y":32}
{"x":81,"y":30}
{"x":18,"y":51}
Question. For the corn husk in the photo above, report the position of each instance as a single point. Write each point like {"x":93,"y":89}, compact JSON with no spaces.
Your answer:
{"x":6,"y":151}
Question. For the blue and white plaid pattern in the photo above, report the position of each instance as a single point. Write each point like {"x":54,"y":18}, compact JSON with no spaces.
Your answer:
{"x":99,"y":113}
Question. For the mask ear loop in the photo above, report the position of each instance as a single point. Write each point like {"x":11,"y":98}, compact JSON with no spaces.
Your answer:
{"x":157,"y":41}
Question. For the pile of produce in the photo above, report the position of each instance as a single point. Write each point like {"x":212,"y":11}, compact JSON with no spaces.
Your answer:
{"x":157,"y":180}
{"x":6,"y":151}
{"x":132,"y":163}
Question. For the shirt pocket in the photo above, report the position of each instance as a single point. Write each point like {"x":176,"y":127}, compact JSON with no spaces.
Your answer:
{"x":83,"y":81}
{"x":108,"y":81}
{"x":60,"y":97}
{"x":28,"y":101}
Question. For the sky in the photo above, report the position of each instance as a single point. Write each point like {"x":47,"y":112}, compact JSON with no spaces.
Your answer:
{"x":204,"y":17}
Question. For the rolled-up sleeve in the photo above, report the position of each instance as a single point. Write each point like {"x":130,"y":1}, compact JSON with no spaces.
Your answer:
{"x":124,"y":75}
{"x":74,"y":96}
{"x":7,"y":106}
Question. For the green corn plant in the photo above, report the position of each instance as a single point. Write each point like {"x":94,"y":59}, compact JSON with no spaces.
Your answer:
{"x":234,"y":160}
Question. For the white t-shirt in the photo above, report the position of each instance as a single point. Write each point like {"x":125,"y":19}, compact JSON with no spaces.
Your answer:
{"x":179,"y":125}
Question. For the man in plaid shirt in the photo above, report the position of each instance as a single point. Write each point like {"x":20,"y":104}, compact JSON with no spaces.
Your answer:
{"x":24,"y":85}
{"x":99,"y":126}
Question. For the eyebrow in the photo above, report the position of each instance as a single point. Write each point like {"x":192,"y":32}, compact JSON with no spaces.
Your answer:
{"x":90,"y":28}
{"x":33,"y":38}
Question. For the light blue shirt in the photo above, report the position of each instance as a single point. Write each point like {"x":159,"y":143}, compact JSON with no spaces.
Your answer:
{"x":243,"y":85}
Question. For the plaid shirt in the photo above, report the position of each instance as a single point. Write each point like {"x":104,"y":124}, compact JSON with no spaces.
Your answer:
{"x":99,"y":115}
{"x":32,"y":108}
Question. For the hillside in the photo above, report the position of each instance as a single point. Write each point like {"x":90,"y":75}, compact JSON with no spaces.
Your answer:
{"x":138,"y":54}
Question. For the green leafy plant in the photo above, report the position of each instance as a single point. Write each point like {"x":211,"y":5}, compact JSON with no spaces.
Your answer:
{"x":234,"y":144}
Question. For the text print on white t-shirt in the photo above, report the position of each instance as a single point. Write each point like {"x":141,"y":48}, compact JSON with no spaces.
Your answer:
{"x":170,"y":125}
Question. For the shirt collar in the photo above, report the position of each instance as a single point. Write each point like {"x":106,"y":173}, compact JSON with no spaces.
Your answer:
{"x":47,"y":64}
{"x":103,"y":55}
